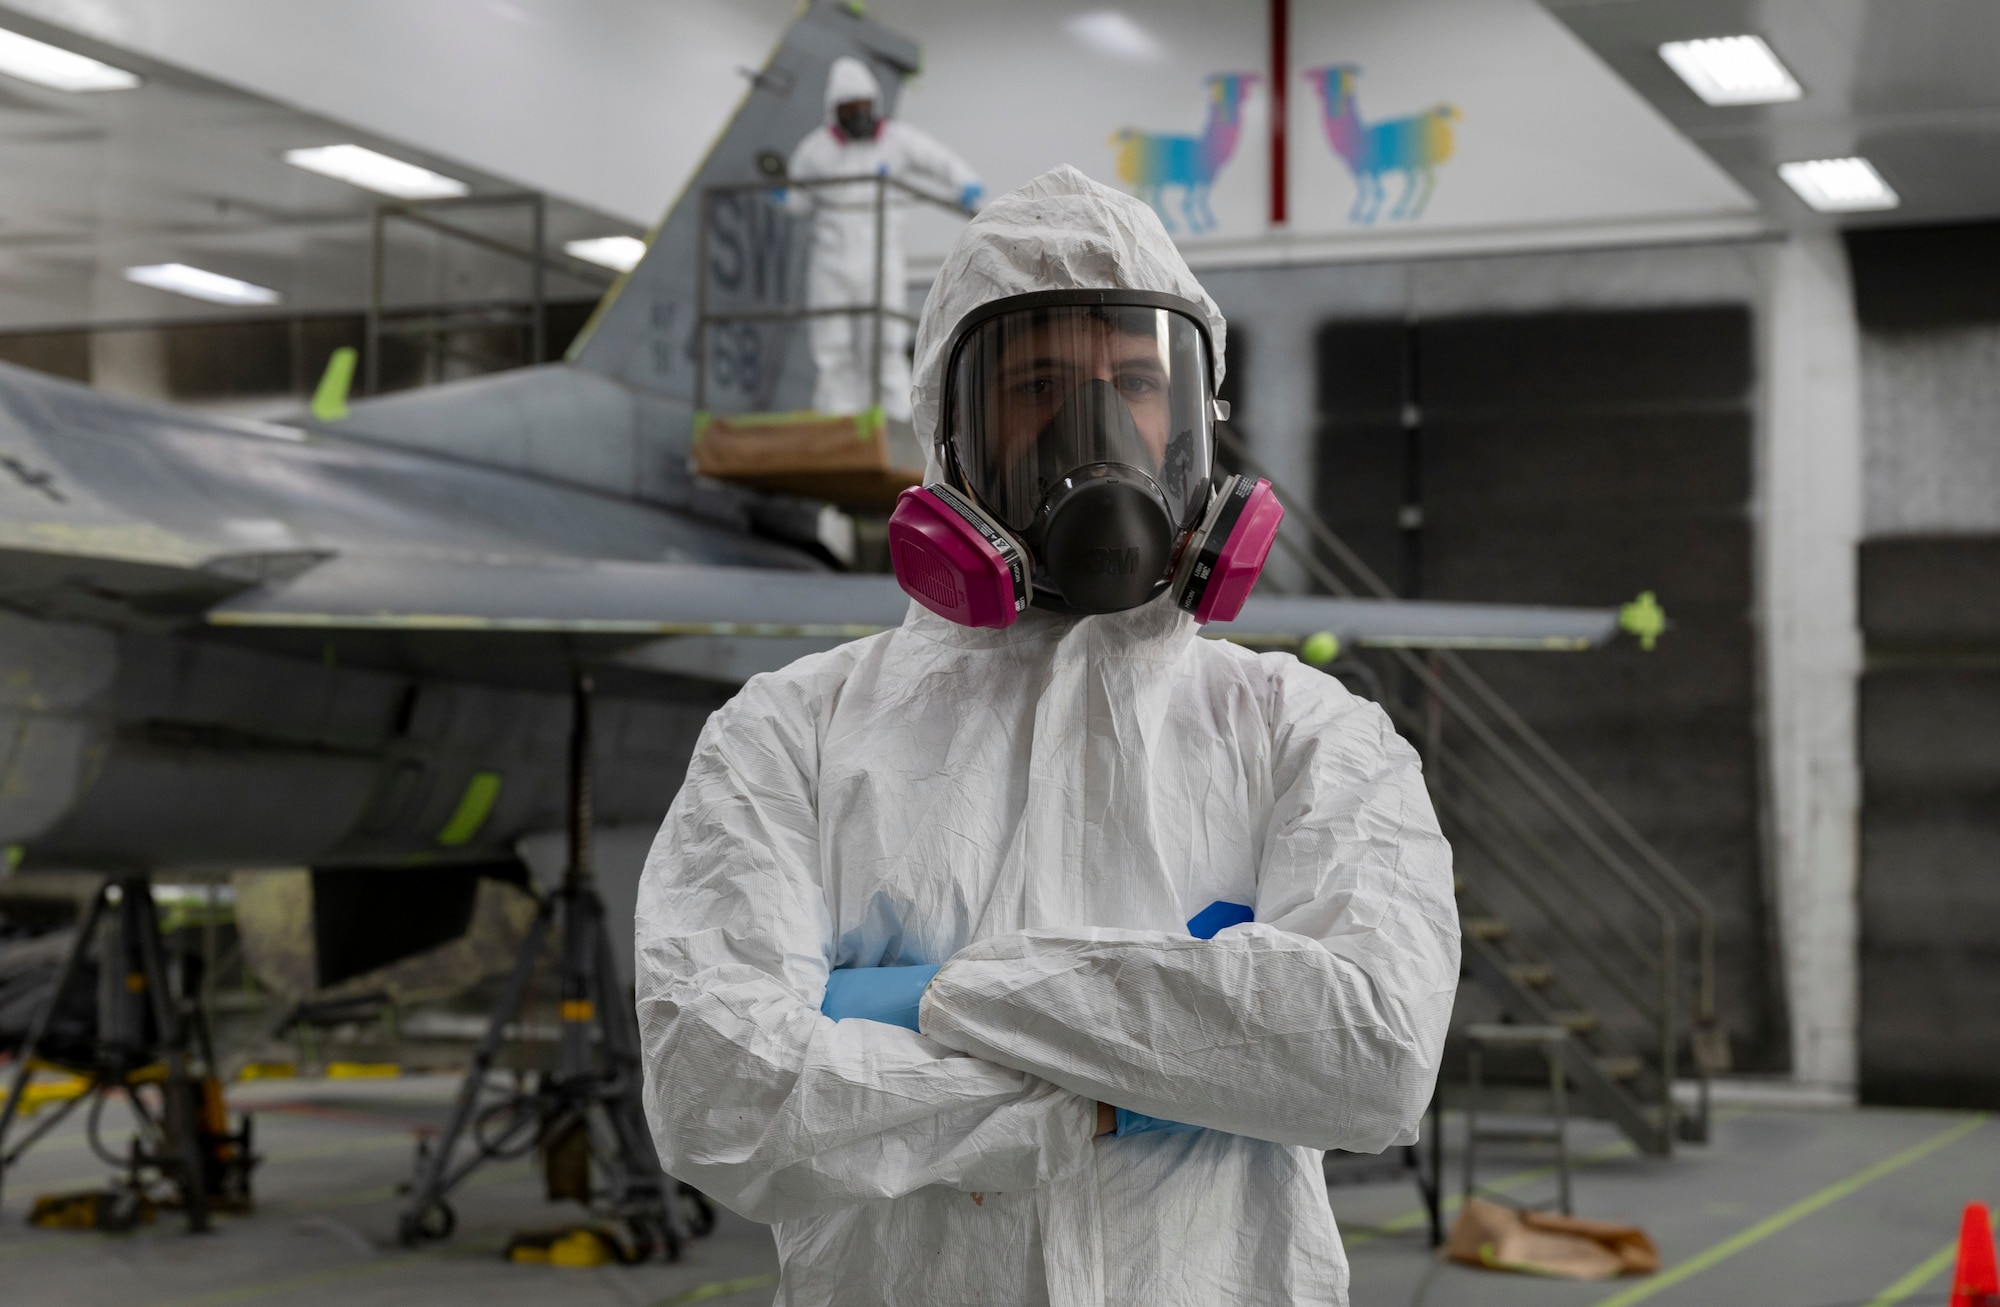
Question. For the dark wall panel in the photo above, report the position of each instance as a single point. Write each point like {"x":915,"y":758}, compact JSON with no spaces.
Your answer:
{"x":1553,"y":362}
{"x":1579,"y":458}
{"x":1925,"y":277}
{"x":1363,"y":469}
{"x":1931,"y":588}
{"x":1930,"y":842}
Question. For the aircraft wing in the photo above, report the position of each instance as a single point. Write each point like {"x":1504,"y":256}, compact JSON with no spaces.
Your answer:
{"x":581,"y":597}
{"x":1418,"y":624}
{"x":728,"y":623}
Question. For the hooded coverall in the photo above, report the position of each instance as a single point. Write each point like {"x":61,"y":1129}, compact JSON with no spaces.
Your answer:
{"x":1041,"y":809}
{"x":843,"y":270}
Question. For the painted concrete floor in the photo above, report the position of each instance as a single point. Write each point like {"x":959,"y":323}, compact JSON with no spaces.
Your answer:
{"x":324,"y":1229}
{"x":1782,"y":1209}
{"x":1787,"y":1208}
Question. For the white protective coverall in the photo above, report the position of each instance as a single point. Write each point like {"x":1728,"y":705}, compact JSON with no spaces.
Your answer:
{"x":1041,"y":809}
{"x":843,"y":250}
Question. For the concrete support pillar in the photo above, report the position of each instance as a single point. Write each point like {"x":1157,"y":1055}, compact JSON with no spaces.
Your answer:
{"x":1809,"y":507}
{"x":1277,"y":409}
{"x":130,"y":362}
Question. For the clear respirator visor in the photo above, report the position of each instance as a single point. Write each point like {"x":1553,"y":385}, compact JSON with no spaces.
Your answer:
{"x":1043,"y":392}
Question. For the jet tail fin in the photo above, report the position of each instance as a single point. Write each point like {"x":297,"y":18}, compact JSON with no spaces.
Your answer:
{"x":643,"y":333}
{"x":618,"y":414}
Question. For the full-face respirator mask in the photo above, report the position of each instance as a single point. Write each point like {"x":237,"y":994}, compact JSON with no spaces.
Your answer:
{"x":1077,"y":436}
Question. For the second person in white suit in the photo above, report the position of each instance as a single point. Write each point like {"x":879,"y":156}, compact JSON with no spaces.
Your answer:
{"x":858,"y":140}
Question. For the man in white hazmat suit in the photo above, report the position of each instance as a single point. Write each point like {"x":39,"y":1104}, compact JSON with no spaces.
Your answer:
{"x":858,"y":141}
{"x":1036,"y":820}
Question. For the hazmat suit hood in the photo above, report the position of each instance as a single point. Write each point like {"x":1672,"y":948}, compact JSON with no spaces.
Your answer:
{"x":850,"y":79}
{"x":1062,"y":231}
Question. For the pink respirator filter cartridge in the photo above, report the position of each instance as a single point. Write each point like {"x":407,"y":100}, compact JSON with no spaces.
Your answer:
{"x":954,"y":560}
{"x":1230,"y":552}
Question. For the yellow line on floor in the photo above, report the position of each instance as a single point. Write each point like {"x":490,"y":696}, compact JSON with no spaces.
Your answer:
{"x":70,"y":1241}
{"x":310,"y":1280}
{"x":1416,"y":1217}
{"x":1404,"y":1222}
{"x":318,"y":1152}
{"x":491,"y":1173}
{"x":1921,"y":1274}
{"x":1798,"y":1211}
{"x":719,"y":1289}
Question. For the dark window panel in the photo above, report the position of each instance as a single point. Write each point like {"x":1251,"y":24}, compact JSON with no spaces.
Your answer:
{"x":1909,"y":278}
{"x":1551,"y":362}
{"x":1936,"y":589}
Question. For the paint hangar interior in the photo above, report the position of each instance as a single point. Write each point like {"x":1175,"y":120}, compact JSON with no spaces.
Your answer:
{"x":417,"y":419}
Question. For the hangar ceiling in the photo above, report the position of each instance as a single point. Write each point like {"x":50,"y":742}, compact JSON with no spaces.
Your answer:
{"x":1907,"y":84}
{"x":186,"y":169}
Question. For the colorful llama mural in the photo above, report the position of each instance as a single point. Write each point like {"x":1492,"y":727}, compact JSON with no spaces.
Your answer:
{"x":1413,"y":146}
{"x":1150,"y":162}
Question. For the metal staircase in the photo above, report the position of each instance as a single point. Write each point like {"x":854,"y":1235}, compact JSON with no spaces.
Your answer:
{"x":1569,"y":917}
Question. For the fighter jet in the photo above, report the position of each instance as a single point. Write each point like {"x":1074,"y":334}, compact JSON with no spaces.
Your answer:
{"x":348,"y":642}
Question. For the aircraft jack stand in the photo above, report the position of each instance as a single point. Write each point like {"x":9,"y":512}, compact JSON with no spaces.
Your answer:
{"x":144,"y":1046}
{"x":586,"y":1117}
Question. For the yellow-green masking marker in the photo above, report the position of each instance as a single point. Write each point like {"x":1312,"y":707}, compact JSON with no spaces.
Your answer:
{"x":720,"y":1289}
{"x":329,"y":403}
{"x":1644,"y":618}
{"x":1319,"y":650}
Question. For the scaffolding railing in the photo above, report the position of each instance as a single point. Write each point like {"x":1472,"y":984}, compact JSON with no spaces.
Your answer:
{"x":878,"y":308}
{"x":439,"y":321}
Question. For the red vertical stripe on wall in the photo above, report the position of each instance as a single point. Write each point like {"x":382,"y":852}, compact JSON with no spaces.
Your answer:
{"x":1281,"y":77}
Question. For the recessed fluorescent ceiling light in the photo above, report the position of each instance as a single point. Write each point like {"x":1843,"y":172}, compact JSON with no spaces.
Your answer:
{"x":1115,"y":36}
{"x":360,"y":166}
{"x":52,"y":66}
{"x":1731,"y":70}
{"x":620,"y":252}
{"x":1839,"y":185}
{"x":198,"y":283}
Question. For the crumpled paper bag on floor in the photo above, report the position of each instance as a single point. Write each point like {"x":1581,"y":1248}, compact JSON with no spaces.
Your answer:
{"x":1543,"y":1243}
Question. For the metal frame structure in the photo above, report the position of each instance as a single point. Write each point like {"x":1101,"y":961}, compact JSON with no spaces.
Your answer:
{"x":879,"y":309}
{"x":146,"y":1034}
{"x":1567,"y":893}
{"x":1421,"y":1162}
{"x":1550,"y":1041}
{"x":598,"y":1078}
{"x":440,"y":320}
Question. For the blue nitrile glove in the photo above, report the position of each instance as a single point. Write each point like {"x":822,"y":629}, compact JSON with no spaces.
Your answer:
{"x":969,"y":198}
{"x":886,"y":994}
{"x":1138,"y":1123}
{"x":1217,"y":917}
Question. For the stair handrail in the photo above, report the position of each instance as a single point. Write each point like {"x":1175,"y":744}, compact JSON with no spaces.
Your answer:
{"x":1685,"y":889}
{"x":1666,"y":971}
{"x":1624,"y":833}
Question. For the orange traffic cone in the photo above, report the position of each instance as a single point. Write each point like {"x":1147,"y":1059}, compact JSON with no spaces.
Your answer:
{"x":1976,"y":1281}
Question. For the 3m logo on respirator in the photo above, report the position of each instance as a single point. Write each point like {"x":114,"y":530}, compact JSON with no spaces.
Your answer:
{"x":1112,"y":562}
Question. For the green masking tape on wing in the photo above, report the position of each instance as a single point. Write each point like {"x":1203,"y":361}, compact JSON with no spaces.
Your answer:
{"x":329,"y":402}
{"x":474,"y":807}
{"x":1644,"y":618}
